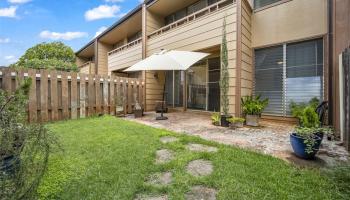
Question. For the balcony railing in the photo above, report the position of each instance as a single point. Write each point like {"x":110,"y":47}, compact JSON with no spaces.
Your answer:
{"x":126,"y":46}
{"x":203,"y":12}
{"x":86,"y":64}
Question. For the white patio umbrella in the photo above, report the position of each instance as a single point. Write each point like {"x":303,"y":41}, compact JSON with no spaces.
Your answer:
{"x":168,"y":61}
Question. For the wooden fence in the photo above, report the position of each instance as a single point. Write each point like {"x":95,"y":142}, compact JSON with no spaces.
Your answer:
{"x":346,"y":98}
{"x":56,"y":95}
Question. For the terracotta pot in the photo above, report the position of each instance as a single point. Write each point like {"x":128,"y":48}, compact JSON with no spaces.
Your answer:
{"x":252,"y":120}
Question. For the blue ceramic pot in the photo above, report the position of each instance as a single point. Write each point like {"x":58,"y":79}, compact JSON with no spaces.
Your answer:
{"x":299,"y":146}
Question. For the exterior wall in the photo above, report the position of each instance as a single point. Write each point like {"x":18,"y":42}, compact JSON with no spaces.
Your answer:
{"x":125,"y":58}
{"x":80,"y":61}
{"x":289,"y":21}
{"x":341,"y":40}
{"x":153,"y":22}
{"x":102,"y":58}
{"x":244,"y":53}
{"x":88,"y":68}
{"x":196,"y":35}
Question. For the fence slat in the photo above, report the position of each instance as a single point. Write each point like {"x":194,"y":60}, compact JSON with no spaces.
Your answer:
{"x":111,"y":95}
{"x":54,"y":96}
{"x":6,"y":80}
{"x":43,"y":95}
{"x":32,"y":105}
{"x":74,"y":96}
{"x":105,"y":95}
{"x":91,"y":95}
{"x":98,"y":94}
{"x":130,"y":96}
{"x":82,"y":96}
{"x":64,"y":81}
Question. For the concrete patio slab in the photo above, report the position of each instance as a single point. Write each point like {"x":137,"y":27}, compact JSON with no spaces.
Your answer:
{"x":271,"y":138}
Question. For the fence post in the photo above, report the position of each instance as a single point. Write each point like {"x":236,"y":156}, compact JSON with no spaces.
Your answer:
{"x":105,"y":95}
{"x":111,"y":95}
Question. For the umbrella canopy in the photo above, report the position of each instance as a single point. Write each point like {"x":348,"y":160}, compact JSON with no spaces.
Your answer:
{"x":168,"y":60}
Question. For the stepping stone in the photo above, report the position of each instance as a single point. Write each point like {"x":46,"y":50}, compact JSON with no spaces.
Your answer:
{"x":201,"y":148}
{"x":164,"y":156}
{"x":168,"y":139}
{"x":161,"y":179}
{"x":199,"y":168}
{"x":151,"y":197}
{"x":201,"y":193}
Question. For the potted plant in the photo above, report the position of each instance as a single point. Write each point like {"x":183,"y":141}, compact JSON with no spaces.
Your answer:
{"x":224,"y":80}
{"x":252,"y":108}
{"x":307,"y":137}
{"x":236,"y":122}
{"x":215,"y":119}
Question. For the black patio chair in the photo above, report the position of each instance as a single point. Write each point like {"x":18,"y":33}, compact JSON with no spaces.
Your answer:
{"x":321,"y":111}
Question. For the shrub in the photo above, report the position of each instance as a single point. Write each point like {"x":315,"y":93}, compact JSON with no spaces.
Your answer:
{"x":215,"y":118}
{"x":24,"y":148}
{"x":253,"y":105}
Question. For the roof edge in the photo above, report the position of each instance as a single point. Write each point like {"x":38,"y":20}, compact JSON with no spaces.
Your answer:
{"x":121,"y":20}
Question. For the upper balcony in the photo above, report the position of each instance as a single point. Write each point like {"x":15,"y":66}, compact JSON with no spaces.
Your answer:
{"x":125,"y":56}
{"x":87,"y":68}
{"x":196,"y":30}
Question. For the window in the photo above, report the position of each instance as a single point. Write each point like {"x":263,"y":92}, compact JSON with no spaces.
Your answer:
{"x":262,"y":3}
{"x":289,"y":73}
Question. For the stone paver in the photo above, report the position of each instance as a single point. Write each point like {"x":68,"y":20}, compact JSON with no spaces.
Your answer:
{"x":201,"y":193}
{"x":168,"y":139}
{"x":271,"y":138}
{"x":201,"y":148}
{"x":161,"y":179}
{"x":199,"y":168}
{"x":151,"y":197}
{"x":164,"y":156}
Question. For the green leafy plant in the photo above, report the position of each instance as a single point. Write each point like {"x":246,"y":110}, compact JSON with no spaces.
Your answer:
{"x":224,"y":78}
{"x":215,"y":118}
{"x":55,"y":55}
{"x":310,"y":135}
{"x":236,"y":119}
{"x":300,"y":110}
{"x":253,"y":105}
{"x":24,"y":148}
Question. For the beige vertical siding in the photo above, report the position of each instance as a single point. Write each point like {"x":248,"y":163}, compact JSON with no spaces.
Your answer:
{"x":80,"y":61}
{"x":102,"y":57}
{"x":125,"y":58}
{"x":293,"y":20}
{"x":199,"y":34}
{"x":153,"y":22}
{"x":246,"y":50}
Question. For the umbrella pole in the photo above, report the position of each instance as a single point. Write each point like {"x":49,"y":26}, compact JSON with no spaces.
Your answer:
{"x":162,"y":117}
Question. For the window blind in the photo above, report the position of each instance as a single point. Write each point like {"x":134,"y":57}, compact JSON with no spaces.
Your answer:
{"x":269,"y":78}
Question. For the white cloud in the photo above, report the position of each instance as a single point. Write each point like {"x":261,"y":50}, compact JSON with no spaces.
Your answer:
{"x":62,"y":36}
{"x":114,"y":1}
{"x":141,"y":1}
{"x":9,"y":57}
{"x":103,"y":11}
{"x":18,"y":1}
{"x":100,"y":30}
{"x":8,"y":12}
{"x":4,"y":40}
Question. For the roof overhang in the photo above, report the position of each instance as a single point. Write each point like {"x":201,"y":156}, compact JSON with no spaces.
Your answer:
{"x":166,"y":7}
{"x":87,"y":51}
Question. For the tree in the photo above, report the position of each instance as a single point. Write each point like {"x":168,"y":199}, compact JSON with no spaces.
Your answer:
{"x":24,"y":148}
{"x":224,"y":78}
{"x":55,"y":55}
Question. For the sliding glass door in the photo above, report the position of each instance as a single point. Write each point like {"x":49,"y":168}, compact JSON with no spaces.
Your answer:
{"x":174,"y":88}
{"x":289,"y":73}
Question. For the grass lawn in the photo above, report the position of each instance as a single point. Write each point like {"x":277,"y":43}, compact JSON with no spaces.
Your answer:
{"x":109,"y":158}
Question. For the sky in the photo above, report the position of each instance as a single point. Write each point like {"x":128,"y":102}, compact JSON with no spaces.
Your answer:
{"x":25,"y":23}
